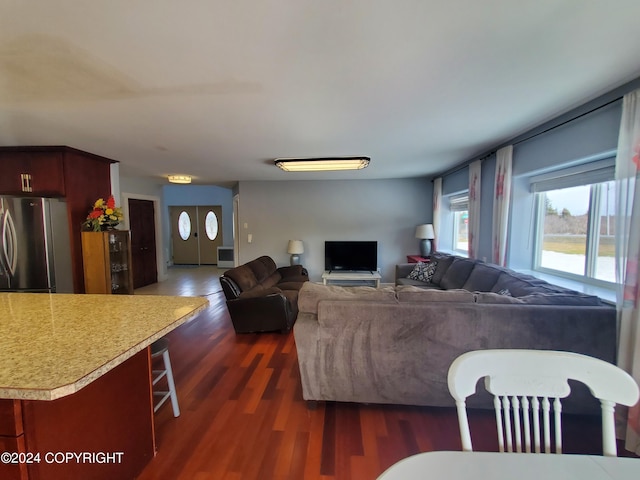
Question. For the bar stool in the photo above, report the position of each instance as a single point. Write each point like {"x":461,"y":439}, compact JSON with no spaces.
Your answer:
{"x":161,"y":348}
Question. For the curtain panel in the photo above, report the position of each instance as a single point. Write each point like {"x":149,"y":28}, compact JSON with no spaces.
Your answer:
{"x":628,"y":255}
{"x":437,"y":210}
{"x":501,"y":201}
{"x":474,"y":207}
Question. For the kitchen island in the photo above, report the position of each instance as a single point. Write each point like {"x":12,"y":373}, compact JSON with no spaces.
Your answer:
{"x":75,"y":382}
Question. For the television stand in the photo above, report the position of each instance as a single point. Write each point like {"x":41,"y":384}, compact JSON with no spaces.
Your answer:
{"x":347,"y":278}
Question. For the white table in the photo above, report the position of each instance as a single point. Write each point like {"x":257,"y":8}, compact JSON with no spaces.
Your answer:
{"x":352,"y":278}
{"x":509,"y":466}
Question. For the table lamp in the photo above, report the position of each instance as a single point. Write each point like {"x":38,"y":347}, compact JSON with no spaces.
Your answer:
{"x":295,"y":248}
{"x":426,"y":234}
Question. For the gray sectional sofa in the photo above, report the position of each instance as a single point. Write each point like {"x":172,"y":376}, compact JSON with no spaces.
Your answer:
{"x":394,"y":344}
{"x":453,"y":272}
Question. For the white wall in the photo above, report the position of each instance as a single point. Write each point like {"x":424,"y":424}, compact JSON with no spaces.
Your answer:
{"x":314,"y":211}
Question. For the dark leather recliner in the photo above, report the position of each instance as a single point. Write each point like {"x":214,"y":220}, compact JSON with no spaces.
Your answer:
{"x":261,"y":297}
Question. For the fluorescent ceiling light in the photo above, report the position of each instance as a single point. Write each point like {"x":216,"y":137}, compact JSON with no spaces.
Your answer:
{"x":322,"y":164}
{"x":179,"y":178}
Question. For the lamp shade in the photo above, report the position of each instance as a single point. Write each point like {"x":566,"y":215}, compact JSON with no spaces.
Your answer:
{"x":425,"y":231}
{"x":295,"y":247}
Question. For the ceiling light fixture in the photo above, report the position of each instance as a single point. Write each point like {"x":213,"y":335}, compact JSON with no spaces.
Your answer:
{"x":179,"y":178}
{"x":322,"y":164}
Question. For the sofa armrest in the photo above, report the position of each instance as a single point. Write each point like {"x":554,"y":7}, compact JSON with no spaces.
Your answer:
{"x":293,"y":271}
{"x":258,"y":291}
{"x":261,"y":313}
{"x":404,"y":269}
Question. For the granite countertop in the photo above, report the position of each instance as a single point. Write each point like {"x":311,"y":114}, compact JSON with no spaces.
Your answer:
{"x":52,"y":345}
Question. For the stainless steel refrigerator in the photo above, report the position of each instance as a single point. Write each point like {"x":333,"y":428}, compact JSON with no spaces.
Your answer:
{"x":35,"y":252}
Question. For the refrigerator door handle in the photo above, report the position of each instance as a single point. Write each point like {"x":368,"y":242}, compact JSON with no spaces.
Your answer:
{"x":3,"y":262}
{"x":9,"y":244}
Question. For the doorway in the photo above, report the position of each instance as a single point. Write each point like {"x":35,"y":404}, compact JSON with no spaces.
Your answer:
{"x":143,"y":242}
{"x":196,"y":234}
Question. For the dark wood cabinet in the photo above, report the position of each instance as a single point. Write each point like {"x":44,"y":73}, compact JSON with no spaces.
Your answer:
{"x":32,"y":173}
{"x":59,"y":171}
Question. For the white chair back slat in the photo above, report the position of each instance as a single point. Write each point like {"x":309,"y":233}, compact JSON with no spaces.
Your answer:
{"x":546,"y":406}
{"x":536,"y":423}
{"x":523,"y":381}
{"x":526,"y":415}
{"x":515,"y":409}
{"x":498,"y":408}
{"x":608,"y":428}
{"x":507,"y":423}
{"x":557,"y":412}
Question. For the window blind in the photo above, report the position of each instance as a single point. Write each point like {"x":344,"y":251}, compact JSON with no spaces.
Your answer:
{"x":460,"y":202}
{"x":586,"y":174}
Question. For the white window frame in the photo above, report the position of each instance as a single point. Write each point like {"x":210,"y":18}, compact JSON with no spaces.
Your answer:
{"x":458,"y":203}
{"x":594,"y":174}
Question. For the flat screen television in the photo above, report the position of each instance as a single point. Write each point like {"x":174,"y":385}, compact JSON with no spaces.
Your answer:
{"x":351,"y":256}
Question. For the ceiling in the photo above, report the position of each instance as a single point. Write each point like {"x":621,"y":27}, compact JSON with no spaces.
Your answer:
{"x":217,"y":89}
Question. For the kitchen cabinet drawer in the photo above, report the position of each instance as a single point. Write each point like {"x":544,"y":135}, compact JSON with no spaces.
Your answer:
{"x":32,"y":173}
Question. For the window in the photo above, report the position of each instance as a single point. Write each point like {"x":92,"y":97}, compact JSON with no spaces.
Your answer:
{"x":459,"y":207}
{"x":184,"y":225}
{"x":576,"y":226}
{"x":211,"y":225}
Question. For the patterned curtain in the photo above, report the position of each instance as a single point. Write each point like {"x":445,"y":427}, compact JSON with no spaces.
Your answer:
{"x":474,"y":207}
{"x":437,"y":209}
{"x":501,"y":199}
{"x":628,"y":253}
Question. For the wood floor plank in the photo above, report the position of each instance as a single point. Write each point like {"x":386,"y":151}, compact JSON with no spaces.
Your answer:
{"x":243,"y":415}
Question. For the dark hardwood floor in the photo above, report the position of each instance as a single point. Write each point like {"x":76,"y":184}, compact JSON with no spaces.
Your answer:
{"x":243,"y":416}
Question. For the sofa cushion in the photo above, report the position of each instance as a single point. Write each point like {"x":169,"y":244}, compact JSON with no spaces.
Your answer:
{"x":490,"y":297}
{"x":423,"y":272}
{"x":271,"y":280}
{"x":292,"y":271}
{"x":457,"y":274}
{"x":262,"y":267}
{"x":259,"y":291}
{"x":482,"y":278}
{"x":291,"y":285}
{"x":518,"y":286}
{"x":243,"y":276}
{"x":417,"y":283}
{"x":311,"y":293}
{"x":408,"y":293}
{"x":443,"y":262}
{"x":574,"y":299}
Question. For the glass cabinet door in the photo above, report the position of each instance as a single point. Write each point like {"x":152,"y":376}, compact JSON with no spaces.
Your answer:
{"x":119,"y":257}
{"x":106,"y":258}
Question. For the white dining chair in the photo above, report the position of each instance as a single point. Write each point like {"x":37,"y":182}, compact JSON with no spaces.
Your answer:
{"x":527,"y":386}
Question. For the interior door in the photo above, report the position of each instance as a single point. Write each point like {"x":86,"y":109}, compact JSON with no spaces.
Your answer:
{"x":143,"y":242}
{"x":184,"y":235}
{"x":209,"y":233}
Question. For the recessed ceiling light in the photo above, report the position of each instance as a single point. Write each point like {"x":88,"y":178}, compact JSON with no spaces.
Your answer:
{"x":325,"y":164}
{"x":179,"y":178}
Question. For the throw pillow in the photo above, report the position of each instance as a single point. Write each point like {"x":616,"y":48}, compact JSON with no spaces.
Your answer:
{"x":423,"y":271}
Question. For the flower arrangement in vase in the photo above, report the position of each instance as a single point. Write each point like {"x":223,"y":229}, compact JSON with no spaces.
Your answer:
{"x":104,"y":216}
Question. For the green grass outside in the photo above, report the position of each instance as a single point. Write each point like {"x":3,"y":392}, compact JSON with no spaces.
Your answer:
{"x":575,"y":245}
